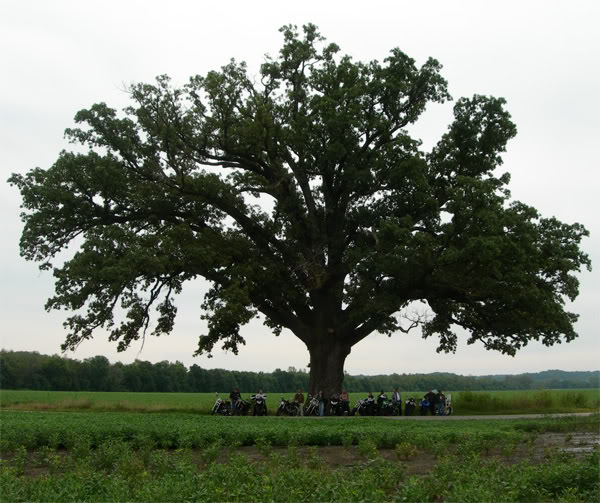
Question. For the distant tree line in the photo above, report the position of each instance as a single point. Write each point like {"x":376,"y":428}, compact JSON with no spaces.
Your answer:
{"x":34,"y":371}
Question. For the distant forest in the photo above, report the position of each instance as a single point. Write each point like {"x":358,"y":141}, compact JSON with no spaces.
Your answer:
{"x":34,"y":371}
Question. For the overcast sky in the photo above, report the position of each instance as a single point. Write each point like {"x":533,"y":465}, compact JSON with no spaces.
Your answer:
{"x":542,"y":56}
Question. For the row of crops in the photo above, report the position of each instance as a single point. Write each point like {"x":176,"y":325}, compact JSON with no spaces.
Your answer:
{"x":116,"y":473}
{"x":124,"y":475}
{"x":64,"y":429}
{"x":92,"y":456}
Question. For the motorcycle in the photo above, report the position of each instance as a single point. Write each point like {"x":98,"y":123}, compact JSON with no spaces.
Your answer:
{"x":260,"y":405}
{"x":335,"y":406}
{"x":313,"y":406}
{"x":364,"y":407}
{"x":242,"y":408}
{"x":221,"y":406}
{"x":386,"y":408}
{"x":409,"y":407}
{"x":288,"y":407}
{"x":448,"y":406}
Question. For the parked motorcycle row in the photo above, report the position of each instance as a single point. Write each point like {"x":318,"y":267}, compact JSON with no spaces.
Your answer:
{"x":335,"y":407}
{"x":242,"y":407}
{"x":366,"y":407}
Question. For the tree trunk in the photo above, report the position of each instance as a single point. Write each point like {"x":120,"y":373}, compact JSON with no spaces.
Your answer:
{"x":327,"y":357}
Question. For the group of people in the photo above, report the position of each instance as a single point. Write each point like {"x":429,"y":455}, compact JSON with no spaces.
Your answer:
{"x":434,"y":402}
{"x":342,"y":399}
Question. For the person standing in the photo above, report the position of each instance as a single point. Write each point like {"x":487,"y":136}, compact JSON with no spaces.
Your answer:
{"x":431,"y":397}
{"x":299,"y":399}
{"x":234,"y":396}
{"x":370,"y":403}
{"x":345,"y":400}
{"x":441,"y":403}
{"x":322,"y":400}
{"x":397,"y":400}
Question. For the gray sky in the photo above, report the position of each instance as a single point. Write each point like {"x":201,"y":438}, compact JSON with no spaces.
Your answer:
{"x":542,"y":56}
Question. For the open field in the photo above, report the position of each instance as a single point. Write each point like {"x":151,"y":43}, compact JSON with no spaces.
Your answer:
{"x":91,"y":456}
{"x":465,"y":402}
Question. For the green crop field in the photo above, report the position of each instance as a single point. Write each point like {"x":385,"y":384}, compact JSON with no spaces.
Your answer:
{"x":124,"y":456}
{"x":465,"y":402}
{"x":64,"y":429}
{"x":86,"y":446}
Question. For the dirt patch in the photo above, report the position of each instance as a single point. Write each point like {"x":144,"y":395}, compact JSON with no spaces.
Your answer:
{"x":537,"y":448}
{"x":336,"y":457}
{"x":574,"y":443}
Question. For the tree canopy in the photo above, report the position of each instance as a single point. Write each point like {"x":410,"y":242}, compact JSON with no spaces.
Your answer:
{"x":300,"y":195}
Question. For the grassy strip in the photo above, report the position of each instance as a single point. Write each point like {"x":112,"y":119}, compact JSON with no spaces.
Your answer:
{"x":465,"y":403}
{"x":545,"y":402}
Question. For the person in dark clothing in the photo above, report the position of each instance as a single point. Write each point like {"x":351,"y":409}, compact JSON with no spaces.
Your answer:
{"x":370,"y":403}
{"x":381,"y":398}
{"x":345,"y":402}
{"x":440,"y":403}
{"x":431,"y":398}
{"x":409,"y":407}
{"x":234,"y":396}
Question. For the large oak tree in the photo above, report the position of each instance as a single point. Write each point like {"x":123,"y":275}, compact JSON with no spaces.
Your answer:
{"x":300,"y":195}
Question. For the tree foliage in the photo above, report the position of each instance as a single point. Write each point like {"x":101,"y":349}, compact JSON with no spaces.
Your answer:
{"x":301,"y":196}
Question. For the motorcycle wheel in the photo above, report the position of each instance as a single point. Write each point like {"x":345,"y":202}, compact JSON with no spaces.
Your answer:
{"x":278,"y":413}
